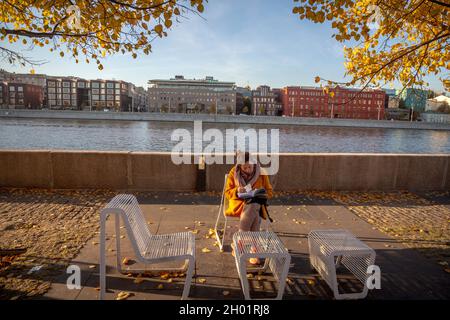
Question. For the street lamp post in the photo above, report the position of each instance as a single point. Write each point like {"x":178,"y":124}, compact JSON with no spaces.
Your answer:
{"x":217,"y":106}
{"x":379,"y":109}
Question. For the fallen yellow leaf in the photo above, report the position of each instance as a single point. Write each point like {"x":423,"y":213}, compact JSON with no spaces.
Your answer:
{"x":206,"y":250}
{"x":123,"y":295}
{"x":165,"y":276}
{"x":138,"y":280}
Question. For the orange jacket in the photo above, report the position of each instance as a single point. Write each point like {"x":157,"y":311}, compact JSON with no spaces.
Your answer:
{"x":235,"y":205}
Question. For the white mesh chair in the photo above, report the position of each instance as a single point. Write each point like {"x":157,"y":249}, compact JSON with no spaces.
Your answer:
{"x":265,"y":245}
{"x":149,"y":248}
{"x":220,"y":231}
{"x":330,"y":248}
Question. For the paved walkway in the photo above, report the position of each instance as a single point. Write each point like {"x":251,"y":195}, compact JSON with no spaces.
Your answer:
{"x":407,"y":273}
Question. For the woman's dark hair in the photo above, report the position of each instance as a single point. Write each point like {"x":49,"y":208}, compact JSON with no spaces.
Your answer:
{"x":245,"y":155}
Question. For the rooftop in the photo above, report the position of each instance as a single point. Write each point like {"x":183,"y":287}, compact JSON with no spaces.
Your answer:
{"x":179,"y":80}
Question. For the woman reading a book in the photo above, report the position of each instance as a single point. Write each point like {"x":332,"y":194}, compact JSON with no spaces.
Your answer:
{"x":242,"y":179}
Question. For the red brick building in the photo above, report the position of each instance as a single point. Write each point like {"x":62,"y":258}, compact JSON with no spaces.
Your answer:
{"x":346,"y":103}
{"x":21,"y":96}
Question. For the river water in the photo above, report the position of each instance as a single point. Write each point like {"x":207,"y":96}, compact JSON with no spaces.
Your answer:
{"x":156,"y":136}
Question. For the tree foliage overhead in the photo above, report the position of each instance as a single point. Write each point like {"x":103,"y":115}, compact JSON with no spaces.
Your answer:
{"x":389,"y":40}
{"x":90,"y":29}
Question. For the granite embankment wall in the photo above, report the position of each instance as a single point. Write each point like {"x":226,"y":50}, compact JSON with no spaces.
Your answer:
{"x":155,"y":171}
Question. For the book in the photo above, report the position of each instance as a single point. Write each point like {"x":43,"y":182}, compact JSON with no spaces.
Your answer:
{"x":251,"y":194}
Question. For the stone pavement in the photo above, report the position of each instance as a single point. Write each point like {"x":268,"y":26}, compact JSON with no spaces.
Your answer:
{"x":407,"y":273}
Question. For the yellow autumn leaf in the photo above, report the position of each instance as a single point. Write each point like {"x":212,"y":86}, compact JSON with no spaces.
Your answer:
{"x":158,"y":29}
{"x":138,"y":280}
{"x":165,"y":276}
{"x":123,"y":295}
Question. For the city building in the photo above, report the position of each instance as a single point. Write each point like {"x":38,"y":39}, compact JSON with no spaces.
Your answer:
{"x":437,"y":102}
{"x":265,"y":102}
{"x":346,"y":103}
{"x":114,"y":95}
{"x":61,"y":93}
{"x":192,"y":95}
{"x":243,"y":100}
{"x":393,"y":102}
{"x":414,"y":98}
{"x":71,"y":93}
{"x":21,"y":95}
{"x":28,"y":78}
{"x":3,"y":94}
{"x":397,"y":114}
{"x":139,"y":98}
{"x":435,"y":117}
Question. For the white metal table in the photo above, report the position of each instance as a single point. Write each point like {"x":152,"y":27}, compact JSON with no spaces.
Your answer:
{"x":264,"y":245}
{"x":330,"y":248}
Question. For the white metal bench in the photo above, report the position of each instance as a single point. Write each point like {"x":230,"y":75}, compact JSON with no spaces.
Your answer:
{"x":330,"y":248}
{"x":149,"y":248}
{"x":266,"y":245}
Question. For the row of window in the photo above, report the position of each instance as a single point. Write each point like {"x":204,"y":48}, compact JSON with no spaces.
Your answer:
{"x":351,"y":102}
{"x":343,"y":108}
{"x":263,"y":99}
{"x":195,"y":93}
{"x":341,"y":115}
{"x":84,"y":84}
{"x":12,"y":88}
{"x":197,"y":99}
{"x":105,"y":104}
{"x":269,"y":105}
{"x":105,"y":97}
{"x":13,"y":101}
{"x":338,"y":94}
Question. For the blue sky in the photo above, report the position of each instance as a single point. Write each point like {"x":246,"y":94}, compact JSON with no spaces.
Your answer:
{"x":246,"y":41}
